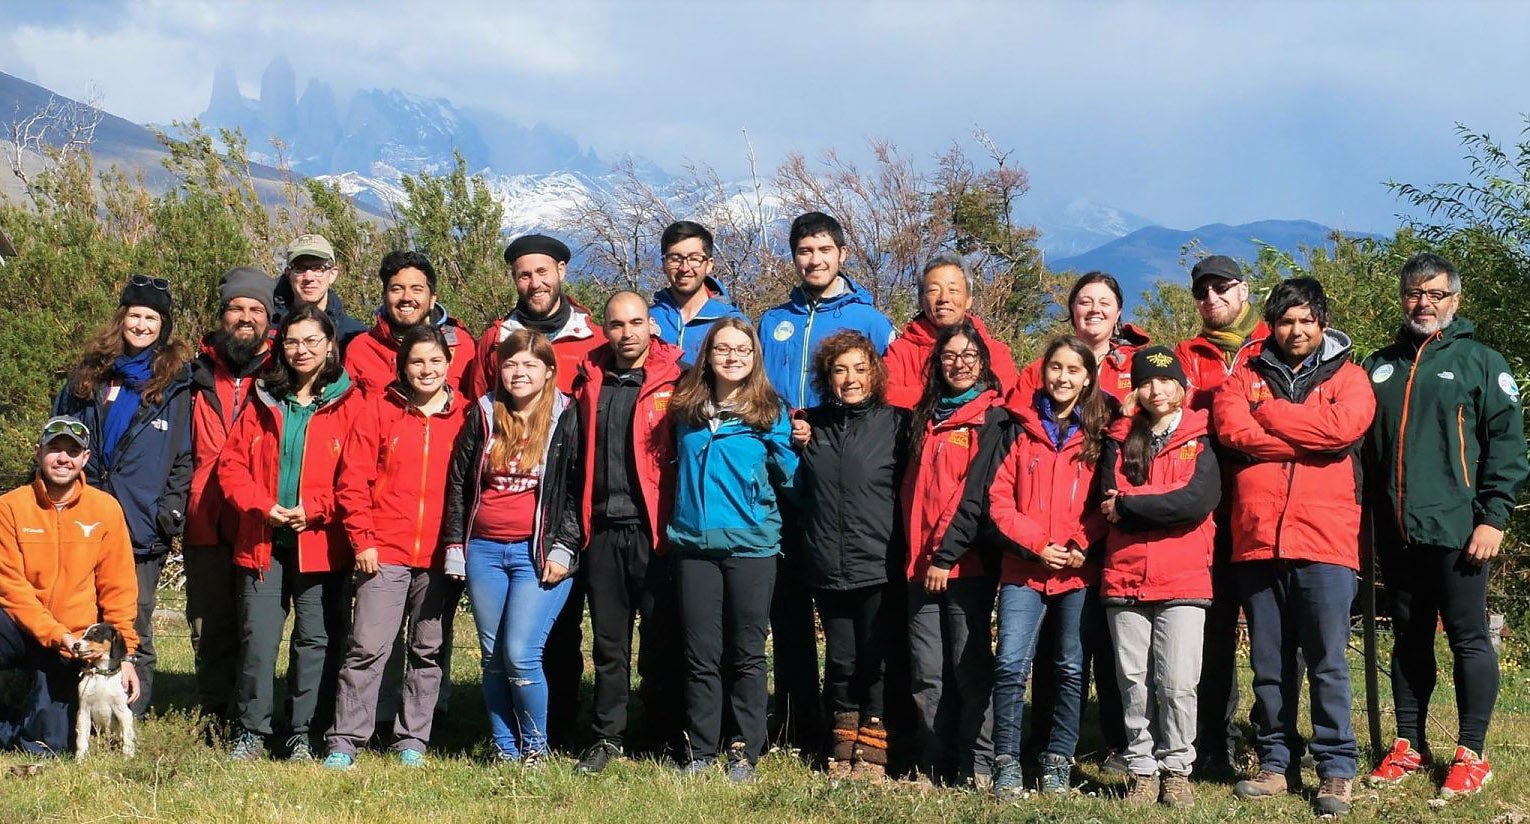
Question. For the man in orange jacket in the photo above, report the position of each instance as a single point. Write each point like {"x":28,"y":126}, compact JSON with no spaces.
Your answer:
{"x":65,"y":558}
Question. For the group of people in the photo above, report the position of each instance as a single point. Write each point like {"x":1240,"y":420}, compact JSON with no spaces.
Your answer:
{"x":1114,"y":505}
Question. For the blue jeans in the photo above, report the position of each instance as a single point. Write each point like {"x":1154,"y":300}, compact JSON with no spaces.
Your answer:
{"x":1300,"y":608}
{"x":514,"y":613}
{"x":1021,"y":612}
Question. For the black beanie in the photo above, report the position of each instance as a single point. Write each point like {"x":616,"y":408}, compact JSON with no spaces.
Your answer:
{"x":153,"y":293}
{"x":247,"y":282}
{"x":537,"y":245}
{"x":1156,"y":362}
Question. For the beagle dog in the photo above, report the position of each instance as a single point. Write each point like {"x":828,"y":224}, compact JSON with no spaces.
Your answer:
{"x":103,"y":700}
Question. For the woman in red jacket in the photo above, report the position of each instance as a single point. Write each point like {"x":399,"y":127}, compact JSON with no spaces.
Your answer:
{"x":958,"y":429}
{"x":392,"y":491}
{"x":279,"y":470}
{"x":1041,"y":502}
{"x":1160,"y":484}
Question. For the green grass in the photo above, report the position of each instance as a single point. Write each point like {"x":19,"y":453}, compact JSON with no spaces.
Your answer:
{"x":175,"y":777}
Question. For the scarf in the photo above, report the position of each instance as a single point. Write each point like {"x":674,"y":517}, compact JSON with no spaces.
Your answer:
{"x":1231,"y":339}
{"x":947,"y":405}
{"x":132,"y":372}
{"x":550,"y":325}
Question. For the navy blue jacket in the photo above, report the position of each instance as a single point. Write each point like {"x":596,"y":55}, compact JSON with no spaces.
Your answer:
{"x":346,"y":327}
{"x":150,"y":473}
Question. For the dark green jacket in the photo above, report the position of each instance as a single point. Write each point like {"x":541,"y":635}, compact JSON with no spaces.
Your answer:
{"x":1446,"y":451}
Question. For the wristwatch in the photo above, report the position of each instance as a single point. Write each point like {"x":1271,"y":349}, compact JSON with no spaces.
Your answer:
{"x":130,"y":659}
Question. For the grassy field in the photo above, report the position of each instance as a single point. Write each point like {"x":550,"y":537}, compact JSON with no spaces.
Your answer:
{"x":175,"y":777}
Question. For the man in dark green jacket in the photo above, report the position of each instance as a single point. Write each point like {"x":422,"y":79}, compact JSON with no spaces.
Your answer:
{"x":1445,"y":460}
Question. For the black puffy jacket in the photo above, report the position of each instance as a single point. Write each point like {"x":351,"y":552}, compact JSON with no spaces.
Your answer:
{"x":848,"y":479}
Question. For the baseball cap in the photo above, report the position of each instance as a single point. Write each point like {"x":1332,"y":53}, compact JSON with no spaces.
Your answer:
{"x":1217,"y":266}
{"x":65,"y":426}
{"x":312,"y":246}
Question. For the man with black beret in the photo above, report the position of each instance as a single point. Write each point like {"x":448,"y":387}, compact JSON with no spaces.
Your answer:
{"x":538,"y":267}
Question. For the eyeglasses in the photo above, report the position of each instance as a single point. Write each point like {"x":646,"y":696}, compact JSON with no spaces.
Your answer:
{"x":681,"y":261}
{"x":1434,"y":295}
{"x":310,"y":344}
{"x":719,"y":351}
{"x":321,"y":266}
{"x":144,"y":280}
{"x":968,"y":357}
{"x":1203,"y":290}
{"x":56,"y":428}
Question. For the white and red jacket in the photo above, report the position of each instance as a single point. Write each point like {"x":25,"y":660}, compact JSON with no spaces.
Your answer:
{"x":571,"y":344}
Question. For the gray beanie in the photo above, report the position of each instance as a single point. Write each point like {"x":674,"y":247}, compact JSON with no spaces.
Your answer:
{"x":247,"y":282}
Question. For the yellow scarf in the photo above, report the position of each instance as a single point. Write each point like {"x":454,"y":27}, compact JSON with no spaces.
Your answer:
{"x":1231,"y":339}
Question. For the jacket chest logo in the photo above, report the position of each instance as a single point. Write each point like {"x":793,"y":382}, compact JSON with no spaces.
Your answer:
{"x":1260,"y":391}
{"x":961,"y":437}
{"x":661,"y":401}
{"x":1123,"y":380}
{"x":87,"y":528}
{"x":1447,"y":375}
{"x":1189,"y":451}
{"x":1381,"y":373}
{"x":784,"y":330}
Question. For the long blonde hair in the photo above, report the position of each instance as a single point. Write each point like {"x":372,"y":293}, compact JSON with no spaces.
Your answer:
{"x":522,"y":438}
{"x":757,"y":403}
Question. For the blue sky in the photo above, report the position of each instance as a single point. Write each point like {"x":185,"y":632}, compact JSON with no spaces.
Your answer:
{"x":1186,"y":113}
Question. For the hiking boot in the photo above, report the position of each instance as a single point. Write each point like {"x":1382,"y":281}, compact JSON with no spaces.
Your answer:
{"x":1267,"y":784}
{"x":840,"y":755}
{"x":1008,"y":783}
{"x":740,"y":770}
{"x":598,"y":756}
{"x":868,"y":771}
{"x":1333,"y":796}
{"x":1144,"y":790}
{"x":298,"y":748}
{"x":247,"y":747}
{"x":1056,"y":773}
{"x":339,"y":761}
{"x":1468,"y":773}
{"x":870,"y":750}
{"x":1177,"y":791}
{"x":1400,"y":762}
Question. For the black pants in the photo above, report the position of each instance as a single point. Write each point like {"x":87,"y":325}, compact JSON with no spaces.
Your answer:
{"x":794,"y":635}
{"x":1217,"y":734}
{"x":563,"y":667}
{"x":1099,"y":659}
{"x":626,"y":581}
{"x":855,"y":648}
{"x":147,"y":568}
{"x":725,"y":609}
{"x":212,"y":613}
{"x":1425,"y":583}
{"x":40,"y":726}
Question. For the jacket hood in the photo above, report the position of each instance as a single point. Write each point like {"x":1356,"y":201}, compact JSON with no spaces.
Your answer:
{"x":1192,"y":424}
{"x":1336,"y":346}
{"x":1131,"y":335}
{"x":922,"y":331}
{"x":382,"y":328}
{"x":1458,"y":328}
{"x":715,"y":292}
{"x":580,"y":323}
{"x":209,"y":357}
{"x":973,"y":412}
{"x":853,"y":294}
{"x":331,"y":394}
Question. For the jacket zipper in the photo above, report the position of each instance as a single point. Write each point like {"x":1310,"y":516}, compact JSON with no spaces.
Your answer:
{"x":807,"y":352}
{"x":1466,"y":474}
{"x":1402,"y":434}
{"x":419,"y":529}
{"x":1280,"y":525}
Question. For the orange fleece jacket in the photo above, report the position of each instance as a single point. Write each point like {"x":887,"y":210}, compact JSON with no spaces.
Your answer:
{"x":62,"y":565}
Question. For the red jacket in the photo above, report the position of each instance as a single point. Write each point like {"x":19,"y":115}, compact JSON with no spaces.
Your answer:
{"x":653,"y":432}
{"x":1161,"y":548}
{"x":1206,"y":367}
{"x":1044,"y":495}
{"x":250,"y":467}
{"x":217,"y":397}
{"x":372,"y":359}
{"x":571,"y":345}
{"x":1297,"y":496}
{"x":392,"y":484}
{"x":1115,"y":368}
{"x":908,"y":360}
{"x":945,"y":501}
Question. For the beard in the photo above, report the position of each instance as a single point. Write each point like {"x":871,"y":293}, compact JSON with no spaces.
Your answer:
{"x":239,"y":352}
{"x":1428,"y":326}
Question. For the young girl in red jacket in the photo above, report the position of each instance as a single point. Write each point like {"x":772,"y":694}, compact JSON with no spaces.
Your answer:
{"x":959,"y":429}
{"x":1160,"y":484}
{"x":278,"y":470}
{"x":392,"y":491}
{"x":1043,"y":503}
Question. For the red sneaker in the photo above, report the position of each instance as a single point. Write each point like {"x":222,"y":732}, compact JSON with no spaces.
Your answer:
{"x":1467,"y":774}
{"x":1400,"y":762}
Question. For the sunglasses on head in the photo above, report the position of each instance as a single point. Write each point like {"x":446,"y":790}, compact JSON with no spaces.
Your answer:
{"x":1203,"y":289}
{"x":57,"y":428}
{"x":144,"y":280}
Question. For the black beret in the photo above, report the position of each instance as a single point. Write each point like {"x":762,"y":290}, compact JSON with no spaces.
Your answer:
{"x":537,"y":245}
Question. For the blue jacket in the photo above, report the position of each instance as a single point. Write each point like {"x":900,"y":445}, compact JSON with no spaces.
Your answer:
{"x":790,"y":334}
{"x":150,"y":473}
{"x":689,"y":335}
{"x":725,"y":488}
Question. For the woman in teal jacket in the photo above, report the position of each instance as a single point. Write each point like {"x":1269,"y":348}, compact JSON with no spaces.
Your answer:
{"x":733,"y":452}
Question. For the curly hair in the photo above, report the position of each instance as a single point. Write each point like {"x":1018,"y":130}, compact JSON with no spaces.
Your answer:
{"x":105,"y":345}
{"x":843,"y":343}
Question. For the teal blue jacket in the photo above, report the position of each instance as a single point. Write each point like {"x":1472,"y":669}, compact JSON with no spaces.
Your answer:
{"x":727,"y":480}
